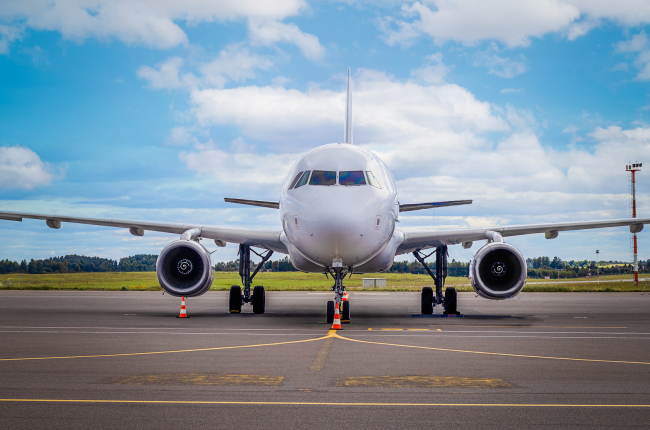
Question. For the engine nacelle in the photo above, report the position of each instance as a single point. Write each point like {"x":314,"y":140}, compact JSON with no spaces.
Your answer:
{"x":184,"y":268}
{"x":498,"y":271}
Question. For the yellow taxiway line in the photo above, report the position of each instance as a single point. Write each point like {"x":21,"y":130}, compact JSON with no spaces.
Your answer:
{"x":502,"y":354}
{"x":330,"y":334}
{"x":165,"y":352}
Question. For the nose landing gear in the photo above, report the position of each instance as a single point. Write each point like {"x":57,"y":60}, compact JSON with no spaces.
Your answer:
{"x":338,"y":273}
{"x":428,"y":300}
{"x":258,"y":298}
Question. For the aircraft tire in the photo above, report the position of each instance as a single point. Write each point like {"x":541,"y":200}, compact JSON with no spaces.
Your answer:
{"x":330,"y":312}
{"x":345,"y":314}
{"x":259,"y":300}
{"x":426,"y":301}
{"x":451,"y":301}
{"x":235,"y":299}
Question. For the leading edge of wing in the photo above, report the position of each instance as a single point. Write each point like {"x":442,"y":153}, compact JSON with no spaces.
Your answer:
{"x":420,"y":239}
{"x":267,"y":238}
{"x":260,"y":203}
{"x":418,"y":206}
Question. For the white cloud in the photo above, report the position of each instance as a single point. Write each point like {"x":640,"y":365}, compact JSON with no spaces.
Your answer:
{"x":500,"y":66}
{"x":433,"y":72}
{"x":269,"y":33}
{"x":166,"y":74}
{"x":281,"y":81}
{"x":150,"y":23}
{"x":7,"y":35}
{"x":512,"y":91}
{"x":290,"y":118}
{"x":181,"y":136}
{"x":240,"y":165}
{"x":621,"y":67}
{"x":639,"y":44}
{"x":233,"y":64}
{"x":511,"y":22}
{"x":22,"y":168}
{"x":405,"y":34}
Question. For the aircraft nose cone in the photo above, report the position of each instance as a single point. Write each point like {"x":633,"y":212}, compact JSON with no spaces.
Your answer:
{"x":336,"y":229}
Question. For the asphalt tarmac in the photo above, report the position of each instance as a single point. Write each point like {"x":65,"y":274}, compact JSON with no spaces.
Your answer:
{"x":122,"y":360}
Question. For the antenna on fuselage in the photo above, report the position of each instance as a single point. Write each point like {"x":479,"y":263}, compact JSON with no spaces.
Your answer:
{"x":348,"y":114}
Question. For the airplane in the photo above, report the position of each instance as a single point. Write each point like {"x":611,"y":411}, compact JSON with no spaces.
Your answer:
{"x":339,"y":207}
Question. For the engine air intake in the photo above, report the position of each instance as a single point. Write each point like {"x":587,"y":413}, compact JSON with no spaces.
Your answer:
{"x":184,"y":269}
{"x":498,"y":271}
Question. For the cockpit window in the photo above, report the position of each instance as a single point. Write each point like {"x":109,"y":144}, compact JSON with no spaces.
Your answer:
{"x":372,"y":180}
{"x":354,"y":177}
{"x":293,"y":183}
{"x":303,"y":180}
{"x":321,"y":177}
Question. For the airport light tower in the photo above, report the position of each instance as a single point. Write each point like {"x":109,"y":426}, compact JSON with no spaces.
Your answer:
{"x":633,"y":168}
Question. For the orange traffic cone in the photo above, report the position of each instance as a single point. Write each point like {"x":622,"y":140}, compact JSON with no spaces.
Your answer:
{"x":345,"y":296}
{"x":336,"y":325}
{"x":183,"y":311}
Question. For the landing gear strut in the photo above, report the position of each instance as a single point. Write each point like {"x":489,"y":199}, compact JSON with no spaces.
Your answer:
{"x":428,"y":299}
{"x":338,"y":273}
{"x":258,"y":298}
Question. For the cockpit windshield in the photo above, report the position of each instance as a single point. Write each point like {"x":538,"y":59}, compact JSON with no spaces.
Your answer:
{"x":303,"y":180}
{"x":354,"y":177}
{"x":295,"y":180}
{"x":321,"y":177}
{"x":372,"y":180}
{"x":347,"y":178}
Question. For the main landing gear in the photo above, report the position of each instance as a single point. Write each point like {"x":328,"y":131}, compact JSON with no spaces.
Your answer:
{"x":338,"y":273}
{"x":258,"y":298}
{"x":428,"y":300}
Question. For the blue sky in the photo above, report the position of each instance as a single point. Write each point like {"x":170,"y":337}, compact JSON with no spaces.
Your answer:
{"x":157,"y":110}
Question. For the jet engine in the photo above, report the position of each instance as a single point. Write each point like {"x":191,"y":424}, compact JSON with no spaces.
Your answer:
{"x":498,"y":271}
{"x":184,"y":269}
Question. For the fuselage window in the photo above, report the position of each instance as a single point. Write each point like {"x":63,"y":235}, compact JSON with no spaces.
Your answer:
{"x":303,"y":180}
{"x":293,"y":183}
{"x":372,"y":180}
{"x":321,"y":177}
{"x":352,"y":178}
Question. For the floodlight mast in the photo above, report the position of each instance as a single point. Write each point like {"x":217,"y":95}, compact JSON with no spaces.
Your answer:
{"x":633,"y":168}
{"x":597,"y":262}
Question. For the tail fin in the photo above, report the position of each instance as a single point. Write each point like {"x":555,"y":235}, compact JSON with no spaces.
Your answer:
{"x":348,"y":114}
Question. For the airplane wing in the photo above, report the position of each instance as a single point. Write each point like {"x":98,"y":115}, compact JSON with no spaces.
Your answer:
{"x":418,"y":206}
{"x":260,"y":203}
{"x":422,"y":239}
{"x":269,"y":239}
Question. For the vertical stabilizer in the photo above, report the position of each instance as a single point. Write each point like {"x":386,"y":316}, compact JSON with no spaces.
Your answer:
{"x":348,"y":113}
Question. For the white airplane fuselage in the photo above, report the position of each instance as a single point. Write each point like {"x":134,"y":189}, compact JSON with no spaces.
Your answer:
{"x":351,"y":220}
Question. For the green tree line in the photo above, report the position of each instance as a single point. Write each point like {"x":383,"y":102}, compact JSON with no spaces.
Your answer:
{"x":539,"y":267}
{"x":80,"y":263}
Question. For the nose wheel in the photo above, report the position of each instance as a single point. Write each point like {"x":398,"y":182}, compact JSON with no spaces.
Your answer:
{"x":338,"y":273}
{"x":345,"y":312}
